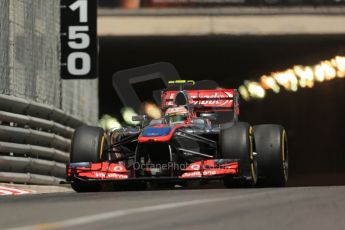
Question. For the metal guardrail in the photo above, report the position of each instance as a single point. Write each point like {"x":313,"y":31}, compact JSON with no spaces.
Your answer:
{"x":34,"y":141}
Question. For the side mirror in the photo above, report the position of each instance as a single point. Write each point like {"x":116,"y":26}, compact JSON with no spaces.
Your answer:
{"x":140,"y":118}
{"x":210,"y":116}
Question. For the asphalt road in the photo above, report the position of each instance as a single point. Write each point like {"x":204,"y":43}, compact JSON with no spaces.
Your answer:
{"x":278,"y":208}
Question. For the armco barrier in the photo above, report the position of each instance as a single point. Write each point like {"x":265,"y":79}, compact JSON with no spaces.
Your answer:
{"x":34,"y":141}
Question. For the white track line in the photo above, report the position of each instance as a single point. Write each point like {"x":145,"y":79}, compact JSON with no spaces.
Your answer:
{"x":77,"y":221}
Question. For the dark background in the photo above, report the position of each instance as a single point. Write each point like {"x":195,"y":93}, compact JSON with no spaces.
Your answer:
{"x":314,"y":118}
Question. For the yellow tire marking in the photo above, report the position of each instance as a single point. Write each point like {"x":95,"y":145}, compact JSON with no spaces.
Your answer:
{"x":251,"y":153}
{"x":253,"y":171}
{"x":283,"y":155}
{"x":101,"y":150}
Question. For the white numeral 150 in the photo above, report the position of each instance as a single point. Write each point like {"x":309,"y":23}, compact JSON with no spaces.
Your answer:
{"x":79,"y":39}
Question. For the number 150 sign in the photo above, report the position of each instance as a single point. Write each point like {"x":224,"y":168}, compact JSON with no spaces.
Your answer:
{"x":79,"y":55}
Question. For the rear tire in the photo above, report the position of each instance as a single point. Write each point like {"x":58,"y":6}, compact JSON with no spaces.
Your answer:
{"x":88,"y":144}
{"x":237,"y":142}
{"x":272,"y":155}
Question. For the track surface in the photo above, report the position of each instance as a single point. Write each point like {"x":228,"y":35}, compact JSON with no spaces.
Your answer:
{"x":274,"y":208}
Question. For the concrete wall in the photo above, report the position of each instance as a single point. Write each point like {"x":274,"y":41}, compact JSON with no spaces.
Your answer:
{"x":30,"y":59}
{"x":218,"y":21}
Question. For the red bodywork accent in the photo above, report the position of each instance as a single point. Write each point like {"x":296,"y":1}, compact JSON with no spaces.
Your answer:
{"x":102,"y":175}
{"x":209,"y":168}
{"x":142,"y":139}
{"x":69,"y":171}
{"x":209,"y":100}
{"x":104,"y":170}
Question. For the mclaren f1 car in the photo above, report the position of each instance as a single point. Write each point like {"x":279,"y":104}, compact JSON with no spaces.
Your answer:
{"x":185,"y":144}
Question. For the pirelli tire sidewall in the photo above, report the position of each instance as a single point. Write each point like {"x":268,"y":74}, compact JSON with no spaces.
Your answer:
{"x":88,"y":144}
{"x":272,"y":155}
{"x":237,"y":142}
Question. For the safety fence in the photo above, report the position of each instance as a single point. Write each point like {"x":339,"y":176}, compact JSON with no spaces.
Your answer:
{"x":34,"y":141}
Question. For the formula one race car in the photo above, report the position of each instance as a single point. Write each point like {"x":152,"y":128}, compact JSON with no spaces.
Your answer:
{"x":183,"y":145}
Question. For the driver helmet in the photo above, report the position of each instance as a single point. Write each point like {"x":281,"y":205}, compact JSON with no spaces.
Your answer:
{"x":177,"y":114}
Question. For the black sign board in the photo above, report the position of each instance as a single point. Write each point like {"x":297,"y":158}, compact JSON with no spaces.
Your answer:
{"x":79,"y":44}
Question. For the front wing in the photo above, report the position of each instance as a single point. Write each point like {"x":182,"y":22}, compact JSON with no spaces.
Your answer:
{"x":108,"y":171}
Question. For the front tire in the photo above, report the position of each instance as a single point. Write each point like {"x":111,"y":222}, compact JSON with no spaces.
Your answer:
{"x":272,"y":154}
{"x":88,"y":144}
{"x":237,"y":142}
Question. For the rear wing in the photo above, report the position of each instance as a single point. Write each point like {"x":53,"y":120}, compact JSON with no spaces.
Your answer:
{"x":205,"y":100}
